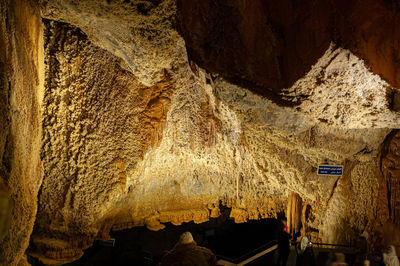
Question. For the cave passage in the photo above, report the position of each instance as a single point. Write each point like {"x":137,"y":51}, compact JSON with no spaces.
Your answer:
{"x":141,"y":246}
{"x":125,"y":118}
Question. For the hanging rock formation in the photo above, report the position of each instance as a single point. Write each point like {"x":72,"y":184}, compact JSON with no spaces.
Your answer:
{"x":279,"y":41}
{"x":294,"y":213}
{"x":123,"y":154}
{"x":161,"y":111}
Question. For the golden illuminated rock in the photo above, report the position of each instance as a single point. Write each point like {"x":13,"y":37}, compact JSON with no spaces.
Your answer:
{"x":123,"y":154}
{"x":117,"y":126}
{"x":21,"y":91}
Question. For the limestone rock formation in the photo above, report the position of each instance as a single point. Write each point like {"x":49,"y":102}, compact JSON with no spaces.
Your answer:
{"x":340,"y":91}
{"x":123,"y":154}
{"x":139,"y":32}
{"x":279,"y":41}
{"x":391,"y":172}
{"x":21,"y":90}
{"x":148,"y":112}
{"x":294,"y":213}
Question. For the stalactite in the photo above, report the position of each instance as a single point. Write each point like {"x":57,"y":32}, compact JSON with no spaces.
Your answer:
{"x":294,"y":213}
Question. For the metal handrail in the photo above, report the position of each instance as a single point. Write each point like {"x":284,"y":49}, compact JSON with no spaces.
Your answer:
{"x":243,"y":257}
{"x":327,"y":244}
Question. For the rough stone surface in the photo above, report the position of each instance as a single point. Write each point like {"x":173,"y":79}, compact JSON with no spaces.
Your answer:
{"x":134,"y":133}
{"x":118,"y":154}
{"x":279,"y":41}
{"x":391,"y":172}
{"x":288,"y":148}
{"x":340,"y":91}
{"x":98,"y":123}
{"x":139,"y":32}
{"x":21,"y":84}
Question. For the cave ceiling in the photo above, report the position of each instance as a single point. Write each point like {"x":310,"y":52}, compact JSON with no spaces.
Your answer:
{"x":162,"y":111}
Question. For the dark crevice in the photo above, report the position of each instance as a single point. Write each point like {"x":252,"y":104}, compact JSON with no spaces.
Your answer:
{"x":384,"y":152}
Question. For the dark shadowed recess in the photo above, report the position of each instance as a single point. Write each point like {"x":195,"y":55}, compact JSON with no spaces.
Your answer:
{"x":140,"y":246}
{"x":267,"y":45}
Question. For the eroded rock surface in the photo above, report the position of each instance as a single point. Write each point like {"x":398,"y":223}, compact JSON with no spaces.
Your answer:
{"x":135,"y":133}
{"x":340,"y":91}
{"x":98,"y":122}
{"x":118,"y":154}
{"x":391,"y":172}
{"x":21,"y":84}
{"x":279,"y":41}
{"x":6,"y":207}
{"x":139,"y":32}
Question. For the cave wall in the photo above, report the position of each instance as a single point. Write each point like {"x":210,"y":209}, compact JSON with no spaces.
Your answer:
{"x":21,"y":90}
{"x":140,"y":32}
{"x":390,"y":168}
{"x":147,"y":122}
{"x":98,"y":123}
{"x":279,"y":41}
{"x":118,"y":154}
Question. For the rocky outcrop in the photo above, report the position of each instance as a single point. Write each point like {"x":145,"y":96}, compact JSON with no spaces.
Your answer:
{"x":21,"y":90}
{"x":279,"y":41}
{"x":98,"y":123}
{"x":118,"y":154}
{"x":262,"y":45}
{"x":136,"y":132}
{"x":341,"y":92}
{"x":139,"y":32}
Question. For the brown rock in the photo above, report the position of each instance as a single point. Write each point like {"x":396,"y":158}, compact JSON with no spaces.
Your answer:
{"x":263,"y":45}
{"x":135,"y":135}
{"x":268,"y":45}
{"x":188,"y":253}
{"x":21,"y":90}
{"x":6,"y":208}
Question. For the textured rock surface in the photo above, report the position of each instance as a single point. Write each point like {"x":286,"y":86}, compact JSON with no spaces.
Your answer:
{"x":340,"y":91}
{"x":118,"y":154}
{"x":98,"y":123}
{"x":391,"y":172}
{"x":135,"y":133}
{"x":288,"y":147}
{"x":139,"y":32}
{"x":279,"y":41}
{"x":21,"y":84}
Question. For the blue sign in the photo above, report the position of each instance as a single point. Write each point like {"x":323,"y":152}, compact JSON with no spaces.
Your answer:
{"x":330,"y":169}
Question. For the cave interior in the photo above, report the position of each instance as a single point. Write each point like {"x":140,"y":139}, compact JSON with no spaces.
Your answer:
{"x":138,"y":120}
